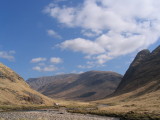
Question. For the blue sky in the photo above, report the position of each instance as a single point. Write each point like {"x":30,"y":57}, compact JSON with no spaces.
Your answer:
{"x":49,"y":37}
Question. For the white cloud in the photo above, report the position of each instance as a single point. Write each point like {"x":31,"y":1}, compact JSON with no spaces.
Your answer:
{"x":99,"y":62}
{"x":84,"y":66}
{"x":39,"y":59}
{"x":90,"y":33}
{"x":82,"y":45}
{"x":44,"y":64}
{"x":37,"y":68}
{"x":56,"y":60}
{"x":101,"y":59}
{"x":7,"y":55}
{"x":121,"y":26}
{"x":49,"y":68}
{"x":54,"y":34}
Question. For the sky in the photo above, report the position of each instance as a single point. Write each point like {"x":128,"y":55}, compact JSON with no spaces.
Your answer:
{"x":51,"y":37}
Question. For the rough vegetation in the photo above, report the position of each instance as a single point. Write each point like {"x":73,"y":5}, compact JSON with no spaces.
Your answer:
{"x":15,"y":91}
{"x":139,"y":91}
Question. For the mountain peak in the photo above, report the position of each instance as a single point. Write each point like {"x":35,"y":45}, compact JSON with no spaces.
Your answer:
{"x":141,"y":56}
{"x":144,"y":69}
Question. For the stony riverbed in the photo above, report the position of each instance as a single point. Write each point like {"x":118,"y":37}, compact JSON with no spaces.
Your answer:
{"x":49,"y":115}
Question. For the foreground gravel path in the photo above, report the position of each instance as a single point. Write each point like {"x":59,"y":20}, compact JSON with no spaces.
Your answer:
{"x":49,"y":115}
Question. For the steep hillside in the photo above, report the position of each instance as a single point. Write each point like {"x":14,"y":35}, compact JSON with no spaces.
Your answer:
{"x":87,"y":86}
{"x":143,"y":70}
{"x":139,"y":90}
{"x":15,"y":91}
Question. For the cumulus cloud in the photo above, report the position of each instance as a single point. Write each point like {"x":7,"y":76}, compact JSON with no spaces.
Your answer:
{"x":90,"y":34}
{"x":39,"y":59}
{"x":37,"y":68}
{"x":7,"y":55}
{"x":46,"y":65}
{"x":53,"y":34}
{"x":82,"y":45}
{"x":121,"y":26}
{"x":56,"y":60}
{"x":49,"y":68}
{"x":85,"y":66}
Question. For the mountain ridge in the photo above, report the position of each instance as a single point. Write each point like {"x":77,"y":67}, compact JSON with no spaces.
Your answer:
{"x":84,"y":86}
{"x":143,"y":69}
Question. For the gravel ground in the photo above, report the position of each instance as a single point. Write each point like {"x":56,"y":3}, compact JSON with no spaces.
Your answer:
{"x":49,"y":115}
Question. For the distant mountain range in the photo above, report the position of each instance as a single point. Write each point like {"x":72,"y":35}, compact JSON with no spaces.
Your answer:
{"x":92,"y":85}
{"x":15,"y":91}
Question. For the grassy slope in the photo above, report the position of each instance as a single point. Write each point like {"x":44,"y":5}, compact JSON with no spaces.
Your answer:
{"x":147,"y":103}
{"x":14,"y":90}
{"x":134,"y":102}
{"x":138,"y":104}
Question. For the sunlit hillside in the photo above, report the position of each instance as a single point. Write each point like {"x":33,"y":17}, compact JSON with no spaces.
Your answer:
{"x":15,"y":91}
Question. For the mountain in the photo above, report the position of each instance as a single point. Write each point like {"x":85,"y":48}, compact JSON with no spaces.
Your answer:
{"x":15,"y":91}
{"x":87,"y":86}
{"x":143,"y":70}
{"x":37,"y":83}
{"x":139,"y":90}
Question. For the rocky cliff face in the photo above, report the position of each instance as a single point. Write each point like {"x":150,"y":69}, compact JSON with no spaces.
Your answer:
{"x":144,"y":69}
{"x":87,"y":86}
{"x":14,"y":90}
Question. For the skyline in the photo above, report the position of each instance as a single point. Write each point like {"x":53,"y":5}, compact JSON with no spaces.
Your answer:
{"x":41,"y":38}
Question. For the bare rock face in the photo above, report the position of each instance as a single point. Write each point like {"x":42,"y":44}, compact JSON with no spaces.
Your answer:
{"x":92,"y":85}
{"x":144,"y":69}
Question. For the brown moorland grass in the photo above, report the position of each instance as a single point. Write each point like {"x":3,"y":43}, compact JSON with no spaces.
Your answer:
{"x":127,"y":106}
{"x":15,"y":91}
